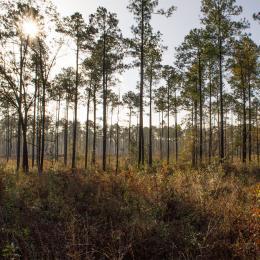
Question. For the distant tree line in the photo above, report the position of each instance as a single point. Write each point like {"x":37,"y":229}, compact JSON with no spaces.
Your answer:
{"x":207,"y":100}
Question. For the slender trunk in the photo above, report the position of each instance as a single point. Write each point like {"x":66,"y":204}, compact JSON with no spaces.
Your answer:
{"x":94,"y":128}
{"x":249,"y":123}
{"x":168,"y":124}
{"x":74,"y":143}
{"x":66,"y":132}
{"x":257,"y":137}
{"x":210,"y":118}
{"x":201,"y":116}
{"x":161,"y":140}
{"x":25,"y":149}
{"x":244,"y":137}
{"x":19,"y":110}
{"x":193,"y":137}
{"x":231,"y":138}
{"x":8,"y":135}
{"x":57,"y":132}
{"x":196,"y":132}
{"x":87,"y":126}
{"x":129,"y":132}
{"x":34,"y":113}
{"x":150,"y":157}
{"x":176,"y":130}
{"x":38,"y":129}
{"x":43,"y":112}
{"x":222,"y":152}
{"x":117,"y":142}
{"x":141,"y":130}
{"x":104,"y":103}
{"x":110,"y":135}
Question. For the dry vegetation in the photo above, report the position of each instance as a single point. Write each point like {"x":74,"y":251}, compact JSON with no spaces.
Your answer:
{"x":166,"y":213}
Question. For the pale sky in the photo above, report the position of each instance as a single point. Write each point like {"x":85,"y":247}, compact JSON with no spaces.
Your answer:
{"x":173,"y":29}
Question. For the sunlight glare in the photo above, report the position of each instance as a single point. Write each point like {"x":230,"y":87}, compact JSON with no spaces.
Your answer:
{"x":30,"y":28}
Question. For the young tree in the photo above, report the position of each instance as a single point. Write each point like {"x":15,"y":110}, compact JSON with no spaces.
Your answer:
{"x":143,"y":11}
{"x":75,"y":27}
{"x":153,"y":60}
{"x":244,"y":70}
{"x":109,"y":35}
{"x":217,"y":17}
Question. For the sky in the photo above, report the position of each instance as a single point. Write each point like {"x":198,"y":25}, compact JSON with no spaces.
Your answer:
{"x":174,"y":29}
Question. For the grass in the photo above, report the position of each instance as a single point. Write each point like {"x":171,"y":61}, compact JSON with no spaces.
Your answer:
{"x":164,"y":213}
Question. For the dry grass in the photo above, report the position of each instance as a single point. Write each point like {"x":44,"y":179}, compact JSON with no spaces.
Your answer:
{"x":162,"y":213}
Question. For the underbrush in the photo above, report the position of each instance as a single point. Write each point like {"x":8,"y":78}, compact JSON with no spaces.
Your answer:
{"x":161,"y":214}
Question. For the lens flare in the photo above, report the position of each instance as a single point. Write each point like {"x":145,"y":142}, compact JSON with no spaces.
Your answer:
{"x":29,"y":28}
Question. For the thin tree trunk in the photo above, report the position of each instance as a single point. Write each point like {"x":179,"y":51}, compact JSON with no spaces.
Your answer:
{"x":201,"y":111}
{"x":222,"y":152}
{"x":43,"y":79}
{"x":94,"y":129}
{"x":74,"y":142}
{"x":168,"y":124}
{"x":19,"y":110}
{"x":87,"y":127}
{"x":257,"y":137}
{"x":57,"y":132}
{"x":34,"y":113}
{"x":141,"y":130}
{"x":129,"y":132}
{"x":210,"y":118}
{"x":117,"y":142}
{"x":196,"y":132}
{"x":150,"y":157}
{"x":249,"y":123}
{"x":161,"y":139}
{"x":66,"y":132}
{"x":110,"y":135}
{"x":176,"y":130}
{"x":104,"y":102}
{"x":25,"y":149}
{"x":244,"y":137}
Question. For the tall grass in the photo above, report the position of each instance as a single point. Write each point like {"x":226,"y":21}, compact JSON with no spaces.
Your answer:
{"x":164,"y":213}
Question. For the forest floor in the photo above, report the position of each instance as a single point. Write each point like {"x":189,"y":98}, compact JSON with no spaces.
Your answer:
{"x":164,"y":213}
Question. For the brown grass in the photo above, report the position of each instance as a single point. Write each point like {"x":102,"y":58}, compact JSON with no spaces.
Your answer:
{"x":163,"y":213}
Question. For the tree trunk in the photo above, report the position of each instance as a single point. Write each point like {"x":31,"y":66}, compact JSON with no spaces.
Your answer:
{"x":110,"y":135}
{"x":57,"y":132}
{"x":168,"y":124}
{"x":210,"y":118}
{"x":117,"y":142}
{"x":104,"y":103}
{"x":34,"y":113}
{"x":257,"y":137}
{"x":94,"y":128}
{"x":244,"y":138}
{"x":249,"y":123}
{"x":87,"y":126}
{"x":161,"y":139}
{"x":150,"y":157}
{"x":43,"y":79}
{"x":66,"y":132}
{"x":129,"y":132}
{"x":141,"y":130}
{"x":25,"y":149}
{"x":222,"y":152}
{"x":19,"y":110}
{"x":176,"y":130}
{"x":201,"y":116}
{"x":74,"y":142}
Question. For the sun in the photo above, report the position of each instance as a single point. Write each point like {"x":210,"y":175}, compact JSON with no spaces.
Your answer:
{"x":29,"y":28}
